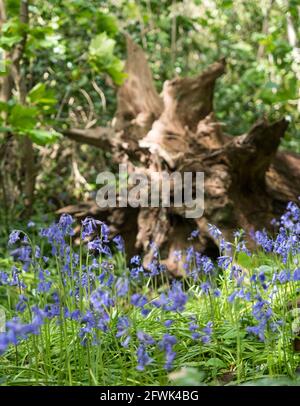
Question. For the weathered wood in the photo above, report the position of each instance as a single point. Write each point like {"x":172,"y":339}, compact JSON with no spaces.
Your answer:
{"x":247,"y":181}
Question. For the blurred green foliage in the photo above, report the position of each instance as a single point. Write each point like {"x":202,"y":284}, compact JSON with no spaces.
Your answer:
{"x":75,"y":45}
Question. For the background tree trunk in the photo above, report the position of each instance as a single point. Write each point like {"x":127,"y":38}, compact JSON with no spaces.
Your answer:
{"x":247,"y":181}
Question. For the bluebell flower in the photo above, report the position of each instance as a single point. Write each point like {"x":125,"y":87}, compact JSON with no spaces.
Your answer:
{"x":75,"y":315}
{"x":97,"y":245}
{"x":296,"y":276}
{"x":4,"y":279}
{"x":262,"y":239}
{"x":168,"y":323}
{"x":4,"y":343}
{"x":43,"y":285}
{"x":55,"y":237}
{"x":284,"y":276}
{"x":65,"y":223}
{"x":177,"y":254}
{"x":126,"y":341}
{"x":135,"y":260}
{"x":138,"y":300}
{"x":118,"y":240}
{"x":224,"y":261}
{"x":22,"y":303}
{"x":232,"y":297}
{"x":122,"y":286}
{"x":208,"y":328}
{"x":177,"y":298}
{"x":225,"y":246}
{"x":241,"y":247}
{"x":194,"y":234}
{"x":217,"y":292}
{"x":101,"y":299}
{"x":166,"y":344}
{"x":145,"y":311}
{"x":123,"y":326}
{"x":135,"y":272}
{"x":144,"y":338}
{"x":89,"y":226}
{"x":193,"y":327}
{"x":205,"y":287}
{"x":104,"y":232}
{"x":155,"y":268}
{"x":22,"y":254}
{"x":14,"y":237}
{"x":143,"y":358}
{"x":258,"y":330}
{"x":214,"y":231}
{"x":205,"y":339}
{"x":207,"y":333}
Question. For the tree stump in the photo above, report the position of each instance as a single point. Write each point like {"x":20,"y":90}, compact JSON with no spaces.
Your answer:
{"x":247,"y":180}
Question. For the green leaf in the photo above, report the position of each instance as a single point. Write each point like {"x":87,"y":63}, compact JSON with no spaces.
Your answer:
{"x":40,"y":95}
{"x":102,"y":46}
{"x":9,"y":41}
{"x":265,"y":269}
{"x":102,"y":58}
{"x":116,"y":72}
{"x":23,"y":117}
{"x":244,"y":260}
{"x":37,"y":92}
{"x":107,"y":23}
{"x":215,"y":363}
{"x":43,"y":137}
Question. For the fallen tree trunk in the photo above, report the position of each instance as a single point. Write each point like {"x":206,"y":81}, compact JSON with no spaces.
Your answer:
{"x":247,"y":181}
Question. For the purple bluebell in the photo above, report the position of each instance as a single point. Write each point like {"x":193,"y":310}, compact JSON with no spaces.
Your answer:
{"x":14,"y":237}
{"x":122,"y":286}
{"x":143,"y":358}
{"x":136,"y":272}
{"x":205,"y":287}
{"x":138,"y":300}
{"x":101,"y":300}
{"x":4,"y":343}
{"x":119,"y":242}
{"x":207,"y":333}
{"x":22,"y":303}
{"x":144,"y":338}
{"x":284,"y":276}
{"x":123,"y":326}
{"x":176,"y":298}
{"x":167,"y":343}
{"x":65,"y":223}
{"x":224,"y":261}
{"x":89,"y":226}
{"x":296,"y":275}
{"x":135,"y":260}
{"x":194,"y":234}
{"x":168,"y":323}
{"x":262,"y":239}
{"x":214,"y":231}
